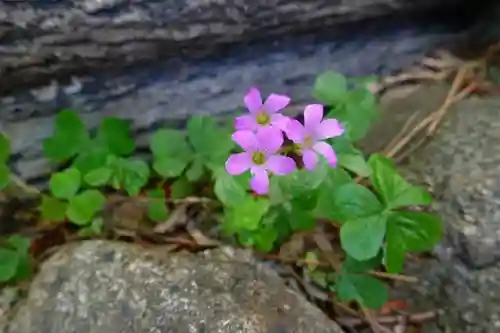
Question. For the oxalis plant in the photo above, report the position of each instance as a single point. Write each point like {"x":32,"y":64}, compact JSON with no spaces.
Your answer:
{"x":14,"y":251}
{"x":271,"y":175}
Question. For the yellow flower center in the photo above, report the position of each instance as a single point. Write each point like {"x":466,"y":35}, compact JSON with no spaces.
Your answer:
{"x":307,"y":142}
{"x":263,"y":118}
{"x":298,"y":147}
{"x":258,"y":158}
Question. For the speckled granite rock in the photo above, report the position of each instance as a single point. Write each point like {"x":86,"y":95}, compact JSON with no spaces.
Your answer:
{"x":44,"y":39}
{"x":467,"y":300}
{"x":461,"y":167}
{"x":105,"y":287}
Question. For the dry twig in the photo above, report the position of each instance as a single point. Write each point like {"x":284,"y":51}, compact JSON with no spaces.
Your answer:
{"x":371,"y":319}
{"x":414,"y":318}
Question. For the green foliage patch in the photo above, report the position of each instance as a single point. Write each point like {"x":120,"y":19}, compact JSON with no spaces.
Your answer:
{"x":377,"y":223}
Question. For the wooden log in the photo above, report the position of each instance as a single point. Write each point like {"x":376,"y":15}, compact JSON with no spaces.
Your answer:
{"x":46,"y":39}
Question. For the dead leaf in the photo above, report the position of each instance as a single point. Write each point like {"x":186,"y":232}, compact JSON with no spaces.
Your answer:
{"x":128,"y":215}
{"x":199,"y":237}
{"x":177,"y":218}
{"x":293,"y":248}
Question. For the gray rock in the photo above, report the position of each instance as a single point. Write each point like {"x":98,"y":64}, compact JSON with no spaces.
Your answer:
{"x":98,"y":286}
{"x":466,"y":300}
{"x":46,"y":39}
{"x":166,"y":94}
{"x":460,"y":166}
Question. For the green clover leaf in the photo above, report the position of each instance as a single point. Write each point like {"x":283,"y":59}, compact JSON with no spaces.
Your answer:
{"x":172,"y":143}
{"x":181,"y":188}
{"x":157,"y":208}
{"x":355,"y":163}
{"x":91,"y":157}
{"x":116,"y":135}
{"x":245,"y":216}
{"x":410,"y":231}
{"x":195,"y":170}
{"x":263,"y":239}
{"x":301,"y":220}
{"x":352,"y":265}
{"x":336,"y":178}
{"x":4,"y":176}
{"x":356,"y":111}
{"x":9,"y":262}
{"x":363,"y":237}
{"x":98,"y":177}
{"x":95,"y":228}
{"x":330,"y":88}
{"x":53,"y":209}
{"x":4,"y":149}
{"x":135,"y":176}
{"x":22,"y":246}
{"x":172,"y":153}
{"x":208,"y":140}
{"x":83,"y":207}
{"x":131,"y":174}
{"x":366,"y":290}
{"x":65,"y":184}
{"x":169,"y":167}
{"x":228,"y":190}
{"x":352,"y":201}
{"x":395,"y":191}
{"x":299,"y":183}
{"x":70,"y":135}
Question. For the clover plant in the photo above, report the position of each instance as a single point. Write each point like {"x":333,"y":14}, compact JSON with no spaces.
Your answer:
{"x":272,"y":174}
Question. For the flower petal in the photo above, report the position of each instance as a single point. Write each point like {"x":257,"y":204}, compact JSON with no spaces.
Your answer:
{"x":259,"y":181}
{"x":280,"y":165}
{"x":246,"y":140}
{"x":329,"y":128}
{"x":270,"y":139}
{"x":236,"y":164}
{"x":275,"y":103}
{"x":245,"y":123}
{"x":327,"y":151}
{"x":280,"y":121}
{"x":295,"y":131}
{"x":310,"y":159}
{"x":253,"y":100}
{"x":313,"y":114}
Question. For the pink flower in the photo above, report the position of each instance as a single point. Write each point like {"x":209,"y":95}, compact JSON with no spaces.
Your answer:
{"x":261,"y":156}
{"x":262,"y":114}
{"x":308,"y":136}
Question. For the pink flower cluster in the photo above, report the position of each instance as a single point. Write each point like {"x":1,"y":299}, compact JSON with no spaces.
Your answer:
{"x":260,"y":134}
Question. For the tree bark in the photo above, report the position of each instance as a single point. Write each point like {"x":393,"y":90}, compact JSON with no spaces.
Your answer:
{"x":48,"y":39}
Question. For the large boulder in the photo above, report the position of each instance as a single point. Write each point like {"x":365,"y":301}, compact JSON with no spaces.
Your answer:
{"x":460,"y":166}
{"x":167,"y":93}
{"x":47,"y":39}
{"x":105,"y":287}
